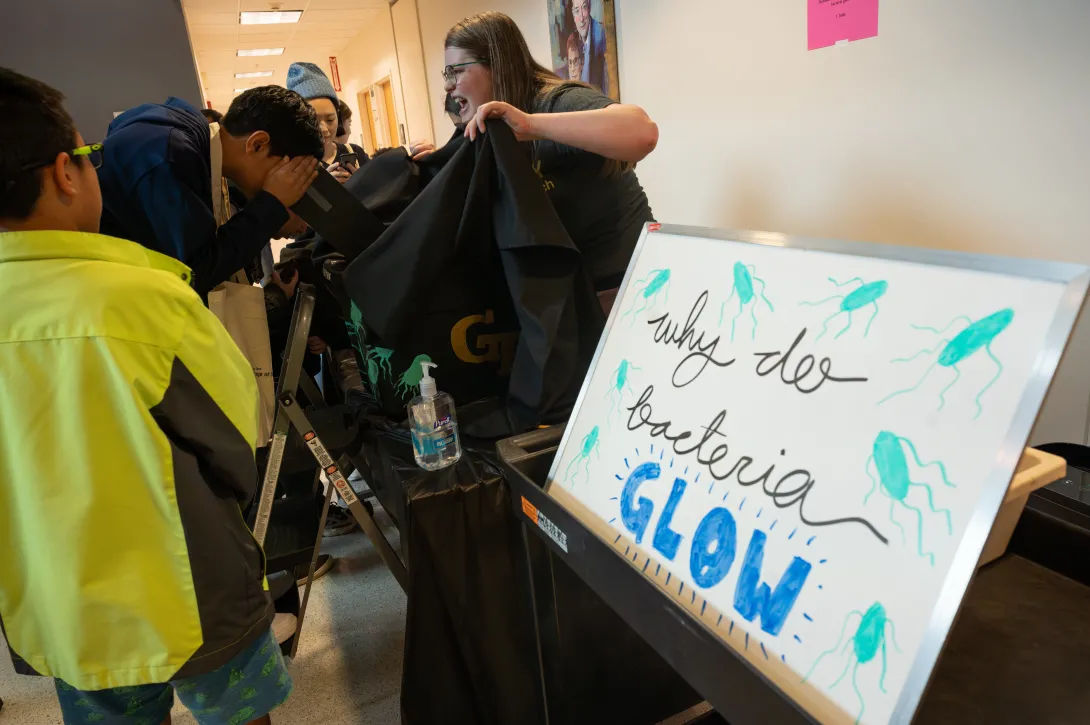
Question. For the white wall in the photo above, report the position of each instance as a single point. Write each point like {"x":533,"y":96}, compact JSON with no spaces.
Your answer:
{"x":963,"y":125}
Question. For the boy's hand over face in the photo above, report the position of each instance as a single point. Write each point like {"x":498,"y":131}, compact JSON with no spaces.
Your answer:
{"x":291,"y":178}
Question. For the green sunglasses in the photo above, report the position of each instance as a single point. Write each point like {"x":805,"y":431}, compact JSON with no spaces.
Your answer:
{"x":93,"y":152}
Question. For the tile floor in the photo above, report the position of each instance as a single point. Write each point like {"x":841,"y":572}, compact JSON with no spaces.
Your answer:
{"x":347,"y":671}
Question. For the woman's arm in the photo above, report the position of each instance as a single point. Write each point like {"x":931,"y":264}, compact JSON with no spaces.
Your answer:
{"x":620,"y":132}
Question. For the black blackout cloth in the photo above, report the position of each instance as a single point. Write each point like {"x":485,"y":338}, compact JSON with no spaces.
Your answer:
{"x":482,"y":235}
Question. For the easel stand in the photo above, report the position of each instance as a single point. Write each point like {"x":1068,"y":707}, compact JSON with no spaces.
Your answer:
{"x":736,"y":691}
{"x":289,"y":413}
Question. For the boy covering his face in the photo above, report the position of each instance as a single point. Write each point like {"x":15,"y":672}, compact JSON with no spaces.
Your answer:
{"x":163,"y":180}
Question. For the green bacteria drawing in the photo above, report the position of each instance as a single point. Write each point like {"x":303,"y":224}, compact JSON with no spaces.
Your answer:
{"x":974,"y":337}
{"x":864,"y":296}
{"x":378,"y":364}
{"x":868,"y":641}
{"x":648,"y":292}
{"x":618,"y":385}
{"x":894,"y":480}
{"x":270,"y":665}
{"x":745,"y":281}
{"x":410,"y":379}
{"x":589,"y":445}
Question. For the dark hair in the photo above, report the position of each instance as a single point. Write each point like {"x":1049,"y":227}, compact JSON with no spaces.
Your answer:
{"x":344,"y":113}
{"x":496,"y":41}
{"x":35,"y":129}
{"x":213,"y":116}
{"x":289,"y":120}
{"x":493,"y":39}
{"x":574,"y":43}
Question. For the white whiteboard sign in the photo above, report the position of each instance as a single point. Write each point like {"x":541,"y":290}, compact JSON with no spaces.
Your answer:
{"x":806,"y":443}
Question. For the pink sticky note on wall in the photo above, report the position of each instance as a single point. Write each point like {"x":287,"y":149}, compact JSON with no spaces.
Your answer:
{"x":830,"y":21}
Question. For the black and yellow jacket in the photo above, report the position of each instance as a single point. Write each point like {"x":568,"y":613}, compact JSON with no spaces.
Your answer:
{"x":128,"y":418}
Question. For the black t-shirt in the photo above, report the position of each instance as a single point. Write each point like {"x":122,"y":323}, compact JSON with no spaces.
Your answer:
{"x":604,"y":214}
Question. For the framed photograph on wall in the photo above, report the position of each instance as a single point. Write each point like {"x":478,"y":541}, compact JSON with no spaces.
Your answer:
{"x":584,"y":43}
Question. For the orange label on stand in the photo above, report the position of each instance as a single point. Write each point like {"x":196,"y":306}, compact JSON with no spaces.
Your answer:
{"x":529,"y":509}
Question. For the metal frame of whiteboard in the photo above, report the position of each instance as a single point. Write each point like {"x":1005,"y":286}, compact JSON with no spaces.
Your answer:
{"x":963,"y":567}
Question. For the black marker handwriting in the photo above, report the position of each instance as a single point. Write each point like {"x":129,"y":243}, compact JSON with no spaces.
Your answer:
{"x":784,"y":492}
{"x":803,"y":368}
{"x":671,"y":333}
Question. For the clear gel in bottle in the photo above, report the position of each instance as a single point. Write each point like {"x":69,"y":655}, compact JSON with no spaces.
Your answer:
{"x":434,"y":425}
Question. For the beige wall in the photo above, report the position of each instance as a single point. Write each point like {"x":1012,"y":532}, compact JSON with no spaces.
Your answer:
{"x":369,"y":58}
{"x":437,"y":17}
{"x":962,"y":125}
{"x":417,"y":86}
{"x":373,"y":55}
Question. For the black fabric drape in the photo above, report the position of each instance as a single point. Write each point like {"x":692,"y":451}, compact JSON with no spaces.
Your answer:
{"x":484,"y":226}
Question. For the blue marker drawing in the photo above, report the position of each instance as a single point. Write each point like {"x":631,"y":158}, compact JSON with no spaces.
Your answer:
{"x":866,"y":295}
{"x":617,"y":387}
{"x":888,"y":458}
{"x":974,"y":337}
{"x":868,"y":640}
{"x":590,"y":444}
{"x":744,"y":277}
{"x":656,"y":282}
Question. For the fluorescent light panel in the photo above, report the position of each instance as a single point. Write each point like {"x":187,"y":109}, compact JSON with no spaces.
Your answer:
{"x":252,"y":52}
{"x":267,"y":17}
{"x":255,"y":74}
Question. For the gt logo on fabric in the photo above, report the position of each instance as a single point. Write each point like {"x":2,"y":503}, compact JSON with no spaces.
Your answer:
{"x":496,"y":347}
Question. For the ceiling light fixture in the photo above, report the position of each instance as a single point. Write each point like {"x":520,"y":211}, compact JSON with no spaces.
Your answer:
{"x":255,"y":74}
{"x":260,"y":51}
{"x":268,"y":17}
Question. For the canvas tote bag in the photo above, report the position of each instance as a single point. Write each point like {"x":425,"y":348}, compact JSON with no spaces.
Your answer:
{"x":241,"y":309}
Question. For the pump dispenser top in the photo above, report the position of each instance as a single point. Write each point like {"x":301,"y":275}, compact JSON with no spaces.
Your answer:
{"x":428,"y":388}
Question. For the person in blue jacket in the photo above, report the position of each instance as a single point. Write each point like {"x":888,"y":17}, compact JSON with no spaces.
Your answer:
{"x":165,"y":171}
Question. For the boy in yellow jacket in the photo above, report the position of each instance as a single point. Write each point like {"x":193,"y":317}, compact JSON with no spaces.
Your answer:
{"x":128,"y":419}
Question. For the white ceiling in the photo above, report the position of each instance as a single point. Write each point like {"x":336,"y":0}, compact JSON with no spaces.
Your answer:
{"x":325,"y":29}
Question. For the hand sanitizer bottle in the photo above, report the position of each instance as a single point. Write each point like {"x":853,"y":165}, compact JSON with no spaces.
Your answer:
{"x":434,"y":425}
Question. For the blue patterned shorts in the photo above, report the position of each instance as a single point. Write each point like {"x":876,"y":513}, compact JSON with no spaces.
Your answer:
{"x":250,"y":686}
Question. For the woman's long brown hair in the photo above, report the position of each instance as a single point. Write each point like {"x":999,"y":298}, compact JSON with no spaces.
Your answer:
{"x":495,"y":40}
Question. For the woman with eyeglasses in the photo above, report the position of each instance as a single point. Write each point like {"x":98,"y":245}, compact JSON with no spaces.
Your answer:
{"x":584,"y":144}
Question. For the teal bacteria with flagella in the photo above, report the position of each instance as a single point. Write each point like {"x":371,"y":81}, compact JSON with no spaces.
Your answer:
{"x":745,"y":286}
{"x":589,"y":445}
{"x":618,"y":384}
{"x":866,"y":295}
{"x":865,"y":644}
{"x":648,"y":292}
{"x":974,"y":337}
{"x":894,"y":480}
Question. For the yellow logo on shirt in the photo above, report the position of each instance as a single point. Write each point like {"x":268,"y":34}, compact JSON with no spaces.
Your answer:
{"x":548,"y":185}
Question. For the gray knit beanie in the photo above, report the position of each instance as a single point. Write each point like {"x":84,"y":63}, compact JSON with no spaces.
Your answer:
{"x":308,"y":80}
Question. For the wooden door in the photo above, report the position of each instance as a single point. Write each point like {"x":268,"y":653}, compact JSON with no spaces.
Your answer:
{"x":367,"y":121}
{"x":389,"y":111}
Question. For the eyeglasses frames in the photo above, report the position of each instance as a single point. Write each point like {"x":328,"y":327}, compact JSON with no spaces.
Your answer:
{"x":453,"y":71}
{"x":93,"y":152}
